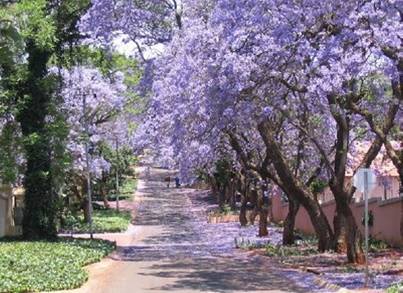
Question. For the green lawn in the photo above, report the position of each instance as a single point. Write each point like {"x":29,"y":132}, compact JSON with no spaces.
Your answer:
{"x":127,"y":190}
{"x":44,"y":266}
{"x":103,"y":221}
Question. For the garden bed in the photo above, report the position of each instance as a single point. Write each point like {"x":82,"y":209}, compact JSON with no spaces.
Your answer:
{"x":45,"y":266}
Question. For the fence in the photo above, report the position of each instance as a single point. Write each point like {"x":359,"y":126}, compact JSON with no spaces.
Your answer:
{"x":387,"y":215}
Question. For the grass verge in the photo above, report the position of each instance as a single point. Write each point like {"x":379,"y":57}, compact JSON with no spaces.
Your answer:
{"x":127,"y":190}
{"x":45,"y":266}
{"x":104,"y":221}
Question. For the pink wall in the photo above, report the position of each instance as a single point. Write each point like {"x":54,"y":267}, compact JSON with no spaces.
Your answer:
{"x":387,"y":214}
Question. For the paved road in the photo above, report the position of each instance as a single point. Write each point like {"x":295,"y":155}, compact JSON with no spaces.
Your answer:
{"x":171,"y":248}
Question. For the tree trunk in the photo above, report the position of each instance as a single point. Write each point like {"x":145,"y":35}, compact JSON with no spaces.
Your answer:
{"x":340,"y":232}
{"x":103,"y":192}
{"x":242,"y":214}
{"x":86,"y":210}
{"x":289,"y":223}
{"x":263,"y":213}
{"x":221,"y":198}
{"x":40,"y":202}
{"x":353,"y":236}
{"x":263,"y":209}
{"x":293,"y":187}
{"x":254,"y":201}
{"x":231,"y":195}
{"x":105,"y":201}
{"x":320,"y":224}
{"x":401,"y":196}
{"x":355,"y":253}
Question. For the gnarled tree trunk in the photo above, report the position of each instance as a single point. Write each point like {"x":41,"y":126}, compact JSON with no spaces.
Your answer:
{"x":242,"y":214}
{"x":320,"y":224}
{"x":263,"y":213}
{"x":340,"y":233}
{"x":289,"y":223}
{"x":254,"y":201}
{"x":353,"y":237}
{"x":293,"y":187}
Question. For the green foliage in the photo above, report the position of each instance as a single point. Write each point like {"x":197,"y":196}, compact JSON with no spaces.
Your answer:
{"x":108,"y":220}
{"x":396,"y":288}
{"x":287,"y":251}
{"x":45,"y":266}
{"x":129,"y":186}
{"x":370,"y":219}
{"x":376,"y":245}
{"x":126,"y":190}
{"x":317,"y":186}
{"x":223,"y":171}
{"x":9,"y":150}
{"x":121,"y":161}
{"x":34,"y":22}
{"x":226,"y":209}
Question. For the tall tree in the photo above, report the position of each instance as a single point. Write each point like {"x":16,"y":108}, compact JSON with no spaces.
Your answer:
{"x":46,"y":27}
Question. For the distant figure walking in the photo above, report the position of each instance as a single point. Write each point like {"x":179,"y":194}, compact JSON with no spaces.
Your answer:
{"x":148,"y":172}
{"x":177,"y":182}
{"x":168,"y":180}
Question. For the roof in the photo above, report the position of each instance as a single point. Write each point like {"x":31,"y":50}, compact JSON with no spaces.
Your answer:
{"x":382,"y":165}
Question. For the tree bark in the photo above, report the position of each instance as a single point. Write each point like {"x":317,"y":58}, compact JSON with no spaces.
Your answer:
{"x":40,"y":202}
{"x":289,"y":223}
{"x":355,"y":253}
{"x":254,"y":201}
{"x":242,"y":214}
{"x":294,"y":188}
{"x":340,"y":233}
{"x":102,"y":189}
{"x":401,"y":196}
{"x":347,"y":226}
{"x":263,"y":213}
{"x":320,"y":224}
{"x":86,"y":210}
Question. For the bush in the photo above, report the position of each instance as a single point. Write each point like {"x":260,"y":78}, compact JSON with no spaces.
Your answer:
{"x":377,"y":245}
{"x":44,"y":266}
{"x":108,"y":220}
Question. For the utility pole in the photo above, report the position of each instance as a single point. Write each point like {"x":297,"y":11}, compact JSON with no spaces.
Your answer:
{"x":117,"y":174}
{"x":366,"y":191}
{"x":88,"y":165}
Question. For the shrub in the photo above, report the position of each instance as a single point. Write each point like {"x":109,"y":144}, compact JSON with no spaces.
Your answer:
{"x":377,"y":245}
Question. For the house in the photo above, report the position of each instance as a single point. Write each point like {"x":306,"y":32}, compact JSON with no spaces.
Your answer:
{"x":387,"y":177}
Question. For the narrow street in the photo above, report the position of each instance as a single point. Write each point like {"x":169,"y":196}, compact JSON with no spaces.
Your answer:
{"x":172,"y":248}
